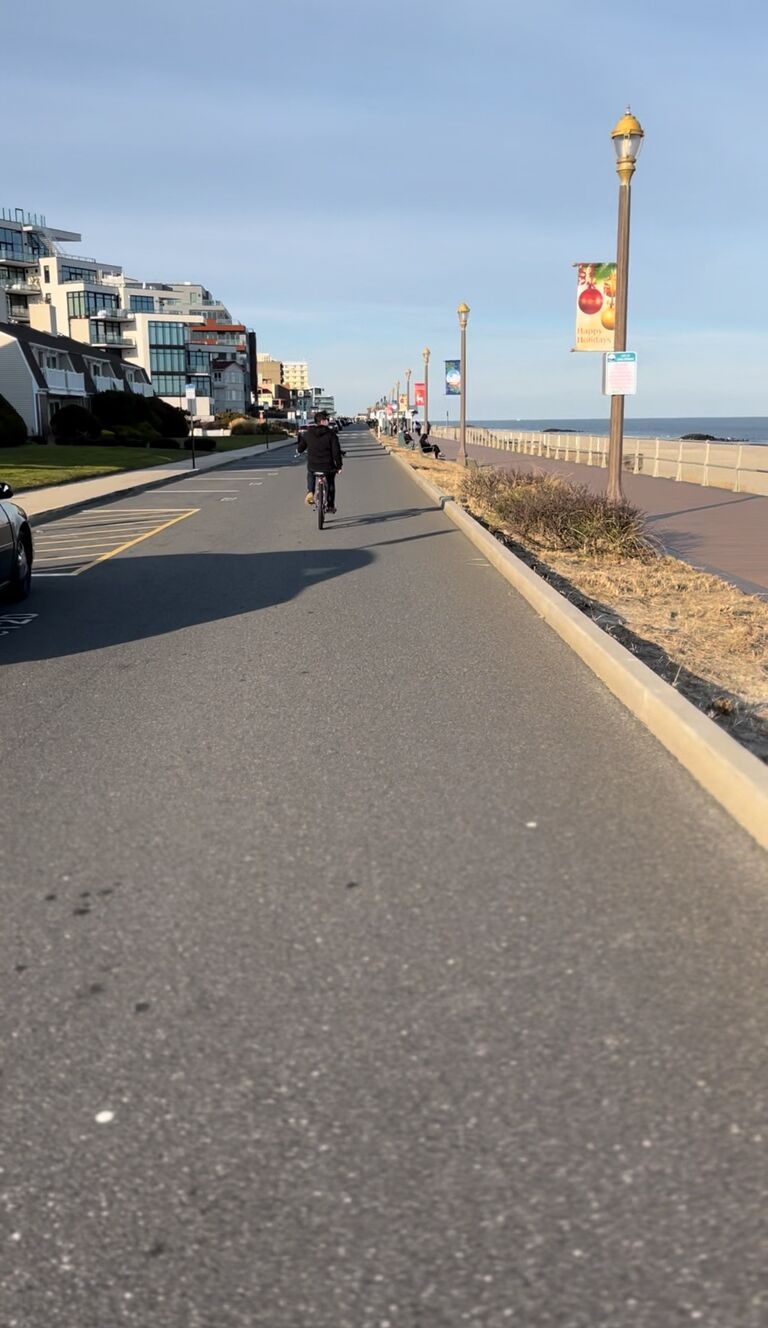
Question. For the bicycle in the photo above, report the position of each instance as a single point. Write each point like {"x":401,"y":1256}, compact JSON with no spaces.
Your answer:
{"x":321,"y":498}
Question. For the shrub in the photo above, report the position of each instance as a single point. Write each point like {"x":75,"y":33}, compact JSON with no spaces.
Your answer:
{"x":556,"y":514}
{"x":224,"y":418}
{"x":75,"y":424}
{"x":13,"y":430}
{"x":135,"y":435}
{"x":247,"y":427}
{"x":169,"y":421}
{"x":115,"y":408}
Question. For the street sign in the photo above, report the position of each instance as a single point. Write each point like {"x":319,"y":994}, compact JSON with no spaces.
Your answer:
{"x":620,"y":373}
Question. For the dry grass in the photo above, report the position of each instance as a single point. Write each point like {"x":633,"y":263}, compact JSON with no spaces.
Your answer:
{"x":705,"y":637}
{"x":551,"y":513}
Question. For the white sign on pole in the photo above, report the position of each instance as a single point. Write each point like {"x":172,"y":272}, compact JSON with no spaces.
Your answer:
{"x":620,"y":373}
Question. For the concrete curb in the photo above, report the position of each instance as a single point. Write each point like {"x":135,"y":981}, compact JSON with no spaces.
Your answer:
{"x":155,"y":478}
{"x":733,"y":776}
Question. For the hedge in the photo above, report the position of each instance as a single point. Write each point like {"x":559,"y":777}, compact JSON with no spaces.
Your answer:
{"x":75,"y":424}
{"x":13,"y":430}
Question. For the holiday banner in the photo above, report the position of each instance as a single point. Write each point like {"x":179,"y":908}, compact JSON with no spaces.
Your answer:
{"x":403,"y":401}
{"x":453,"y":378}
{"x":595,"y":306}
{"x":419,"y":394}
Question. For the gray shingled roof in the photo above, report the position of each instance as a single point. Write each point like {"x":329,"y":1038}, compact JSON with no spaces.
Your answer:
{"x":28,"y":337}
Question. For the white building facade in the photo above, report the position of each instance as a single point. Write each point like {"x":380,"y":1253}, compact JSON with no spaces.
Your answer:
{"x":40,"y":372}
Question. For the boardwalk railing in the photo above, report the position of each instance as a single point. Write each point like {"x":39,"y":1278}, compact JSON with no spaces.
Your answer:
{"x":740,"y":467}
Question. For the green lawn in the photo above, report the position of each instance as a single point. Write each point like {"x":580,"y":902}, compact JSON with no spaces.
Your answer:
{"x":250,"y":440}
{"x":32,"y":466}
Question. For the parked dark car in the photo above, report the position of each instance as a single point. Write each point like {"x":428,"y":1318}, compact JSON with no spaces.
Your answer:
{"x":16,"y":549}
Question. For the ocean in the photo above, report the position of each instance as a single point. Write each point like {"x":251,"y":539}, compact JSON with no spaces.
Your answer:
{"x":732,"y":428}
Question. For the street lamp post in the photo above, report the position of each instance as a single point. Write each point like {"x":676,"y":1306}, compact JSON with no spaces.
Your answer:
{"x":397,"y":410}
{"x":463,"y":312}
{"x":408,"y":373}
{"x":627,"y":140}
{"x":425,"y":353}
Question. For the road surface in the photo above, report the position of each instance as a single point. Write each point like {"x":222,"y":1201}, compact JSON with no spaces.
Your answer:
{"x":365,"y":964}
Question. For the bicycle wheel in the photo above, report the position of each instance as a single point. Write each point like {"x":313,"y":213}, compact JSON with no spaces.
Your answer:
{"x":320,"y":492}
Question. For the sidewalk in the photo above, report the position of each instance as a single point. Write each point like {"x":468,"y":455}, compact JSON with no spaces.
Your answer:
{"x":59,"y":498}
{"x":713,"y":530}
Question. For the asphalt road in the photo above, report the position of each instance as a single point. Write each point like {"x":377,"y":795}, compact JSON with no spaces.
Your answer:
{"x":364,"y":964}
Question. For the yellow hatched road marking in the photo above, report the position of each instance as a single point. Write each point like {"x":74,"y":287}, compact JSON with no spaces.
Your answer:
{"x":128,"y":544}
{"x":79,"y":542}
{"x":112,"y":524}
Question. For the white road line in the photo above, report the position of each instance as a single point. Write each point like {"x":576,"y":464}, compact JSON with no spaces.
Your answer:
{"x":119,"y":512}
{"x":68,"y":557}
{"x":251,"y":483}
{"x":93,"y":526}
{"x":227,"y":500}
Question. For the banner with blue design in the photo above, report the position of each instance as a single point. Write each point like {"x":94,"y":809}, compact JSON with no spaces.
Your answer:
{"x":453,"y":378}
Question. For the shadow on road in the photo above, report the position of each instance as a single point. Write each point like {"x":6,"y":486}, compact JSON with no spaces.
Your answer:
{"x":134,"y":599}
{"x":704,"y":507}
{"x":376,"y":518}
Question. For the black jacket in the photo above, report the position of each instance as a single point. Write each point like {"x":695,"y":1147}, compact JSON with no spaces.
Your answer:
{"x":322,"y":447}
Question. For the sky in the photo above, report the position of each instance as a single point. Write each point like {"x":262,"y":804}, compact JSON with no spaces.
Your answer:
{"x":342,"y":174}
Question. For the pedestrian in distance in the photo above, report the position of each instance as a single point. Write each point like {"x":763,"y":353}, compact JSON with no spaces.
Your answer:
{"x":321,"y":444}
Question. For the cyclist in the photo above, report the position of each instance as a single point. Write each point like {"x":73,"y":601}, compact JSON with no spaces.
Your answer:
{"x":321,"y":444}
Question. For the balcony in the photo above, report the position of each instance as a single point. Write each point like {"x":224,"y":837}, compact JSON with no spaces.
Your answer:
{"x":142,"y":389}
{"x":110,"y":340}
{"x":114,"y":315}
{"x":28,"y":285}
{"x":106,"y":383}
{"x":114,"y":343}
{"x":65,"y":381}
{"x":78,"y":260}
{"x":7,"y":255}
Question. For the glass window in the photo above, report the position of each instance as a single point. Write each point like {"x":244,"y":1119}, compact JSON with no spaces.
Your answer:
{"x":143,"y":304}
{"x":167,"y":334}
{"x":46,"y":273}
{"x":169,"y":385}
{"x":80,"y":304}
{"x":103,"y":332}
{"x":166,"y":359}
{"x":70,"y":273}
{"x":11,"y":243}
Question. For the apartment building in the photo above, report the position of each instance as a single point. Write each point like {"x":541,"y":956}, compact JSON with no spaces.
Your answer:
{"x":231,"y":385}
{"x":25,"y":240}
{"x":296,"y":374}
{"x":40,"y":372}
{"x":270,"y":370}
{"x":149,"y":323}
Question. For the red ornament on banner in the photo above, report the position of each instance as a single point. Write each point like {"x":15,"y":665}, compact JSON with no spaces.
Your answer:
{"x":590,"y":300}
